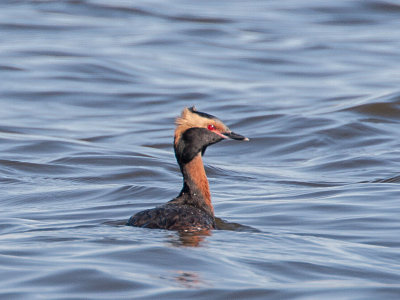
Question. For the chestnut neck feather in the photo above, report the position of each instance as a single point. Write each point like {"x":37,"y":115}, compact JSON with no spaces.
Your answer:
{"x":195,"y":191}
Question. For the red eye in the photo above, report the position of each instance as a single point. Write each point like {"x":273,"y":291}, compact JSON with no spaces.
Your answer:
{"x":211,"y":127}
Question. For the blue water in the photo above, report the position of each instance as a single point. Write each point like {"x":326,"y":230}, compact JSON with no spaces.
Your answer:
{"x":88,"y":95}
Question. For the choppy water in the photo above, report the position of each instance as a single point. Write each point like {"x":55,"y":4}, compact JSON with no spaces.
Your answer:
{"x":89,"y":91}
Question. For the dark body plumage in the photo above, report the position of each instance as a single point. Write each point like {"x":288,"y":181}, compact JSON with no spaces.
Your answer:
{"x":192,"y":209}
{"x":174,"y":217}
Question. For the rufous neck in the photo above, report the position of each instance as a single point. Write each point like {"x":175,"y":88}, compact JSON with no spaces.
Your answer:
{"x":196,"y":183}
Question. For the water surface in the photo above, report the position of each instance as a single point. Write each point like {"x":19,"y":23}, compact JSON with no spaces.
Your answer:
{"x":89,"y":91}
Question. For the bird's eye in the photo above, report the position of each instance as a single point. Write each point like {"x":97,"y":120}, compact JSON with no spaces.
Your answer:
{"x":211,"y":127}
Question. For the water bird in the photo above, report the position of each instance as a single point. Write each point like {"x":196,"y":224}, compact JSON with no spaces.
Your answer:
{"x":192,"y":209}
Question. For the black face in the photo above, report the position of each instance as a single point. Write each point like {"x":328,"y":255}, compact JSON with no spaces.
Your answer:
{"x":193,"y":141}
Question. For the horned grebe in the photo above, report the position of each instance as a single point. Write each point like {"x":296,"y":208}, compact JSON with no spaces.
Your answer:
{"x":192,"y":210}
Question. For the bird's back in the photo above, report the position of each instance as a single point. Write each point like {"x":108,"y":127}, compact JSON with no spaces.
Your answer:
{"x":174,"y":217}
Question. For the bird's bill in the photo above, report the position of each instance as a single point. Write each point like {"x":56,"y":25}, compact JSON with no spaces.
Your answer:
{"x":234,"y":136}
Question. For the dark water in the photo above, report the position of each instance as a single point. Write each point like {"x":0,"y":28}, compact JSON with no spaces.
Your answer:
{"x":89,"y":91}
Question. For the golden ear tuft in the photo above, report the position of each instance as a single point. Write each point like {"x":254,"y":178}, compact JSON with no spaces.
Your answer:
{"x":185,"y":112}
{"x":184,"y":116}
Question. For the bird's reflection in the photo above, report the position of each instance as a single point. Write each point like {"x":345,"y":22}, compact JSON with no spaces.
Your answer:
{"x":198,"y":238}
{"x":188,"y":279}
{"x":189,"y":239}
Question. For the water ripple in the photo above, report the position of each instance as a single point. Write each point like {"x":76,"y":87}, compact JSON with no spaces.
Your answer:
{"x":307,"y":209}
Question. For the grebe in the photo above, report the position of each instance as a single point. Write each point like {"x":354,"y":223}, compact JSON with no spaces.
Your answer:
{"x":192,"y":210}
